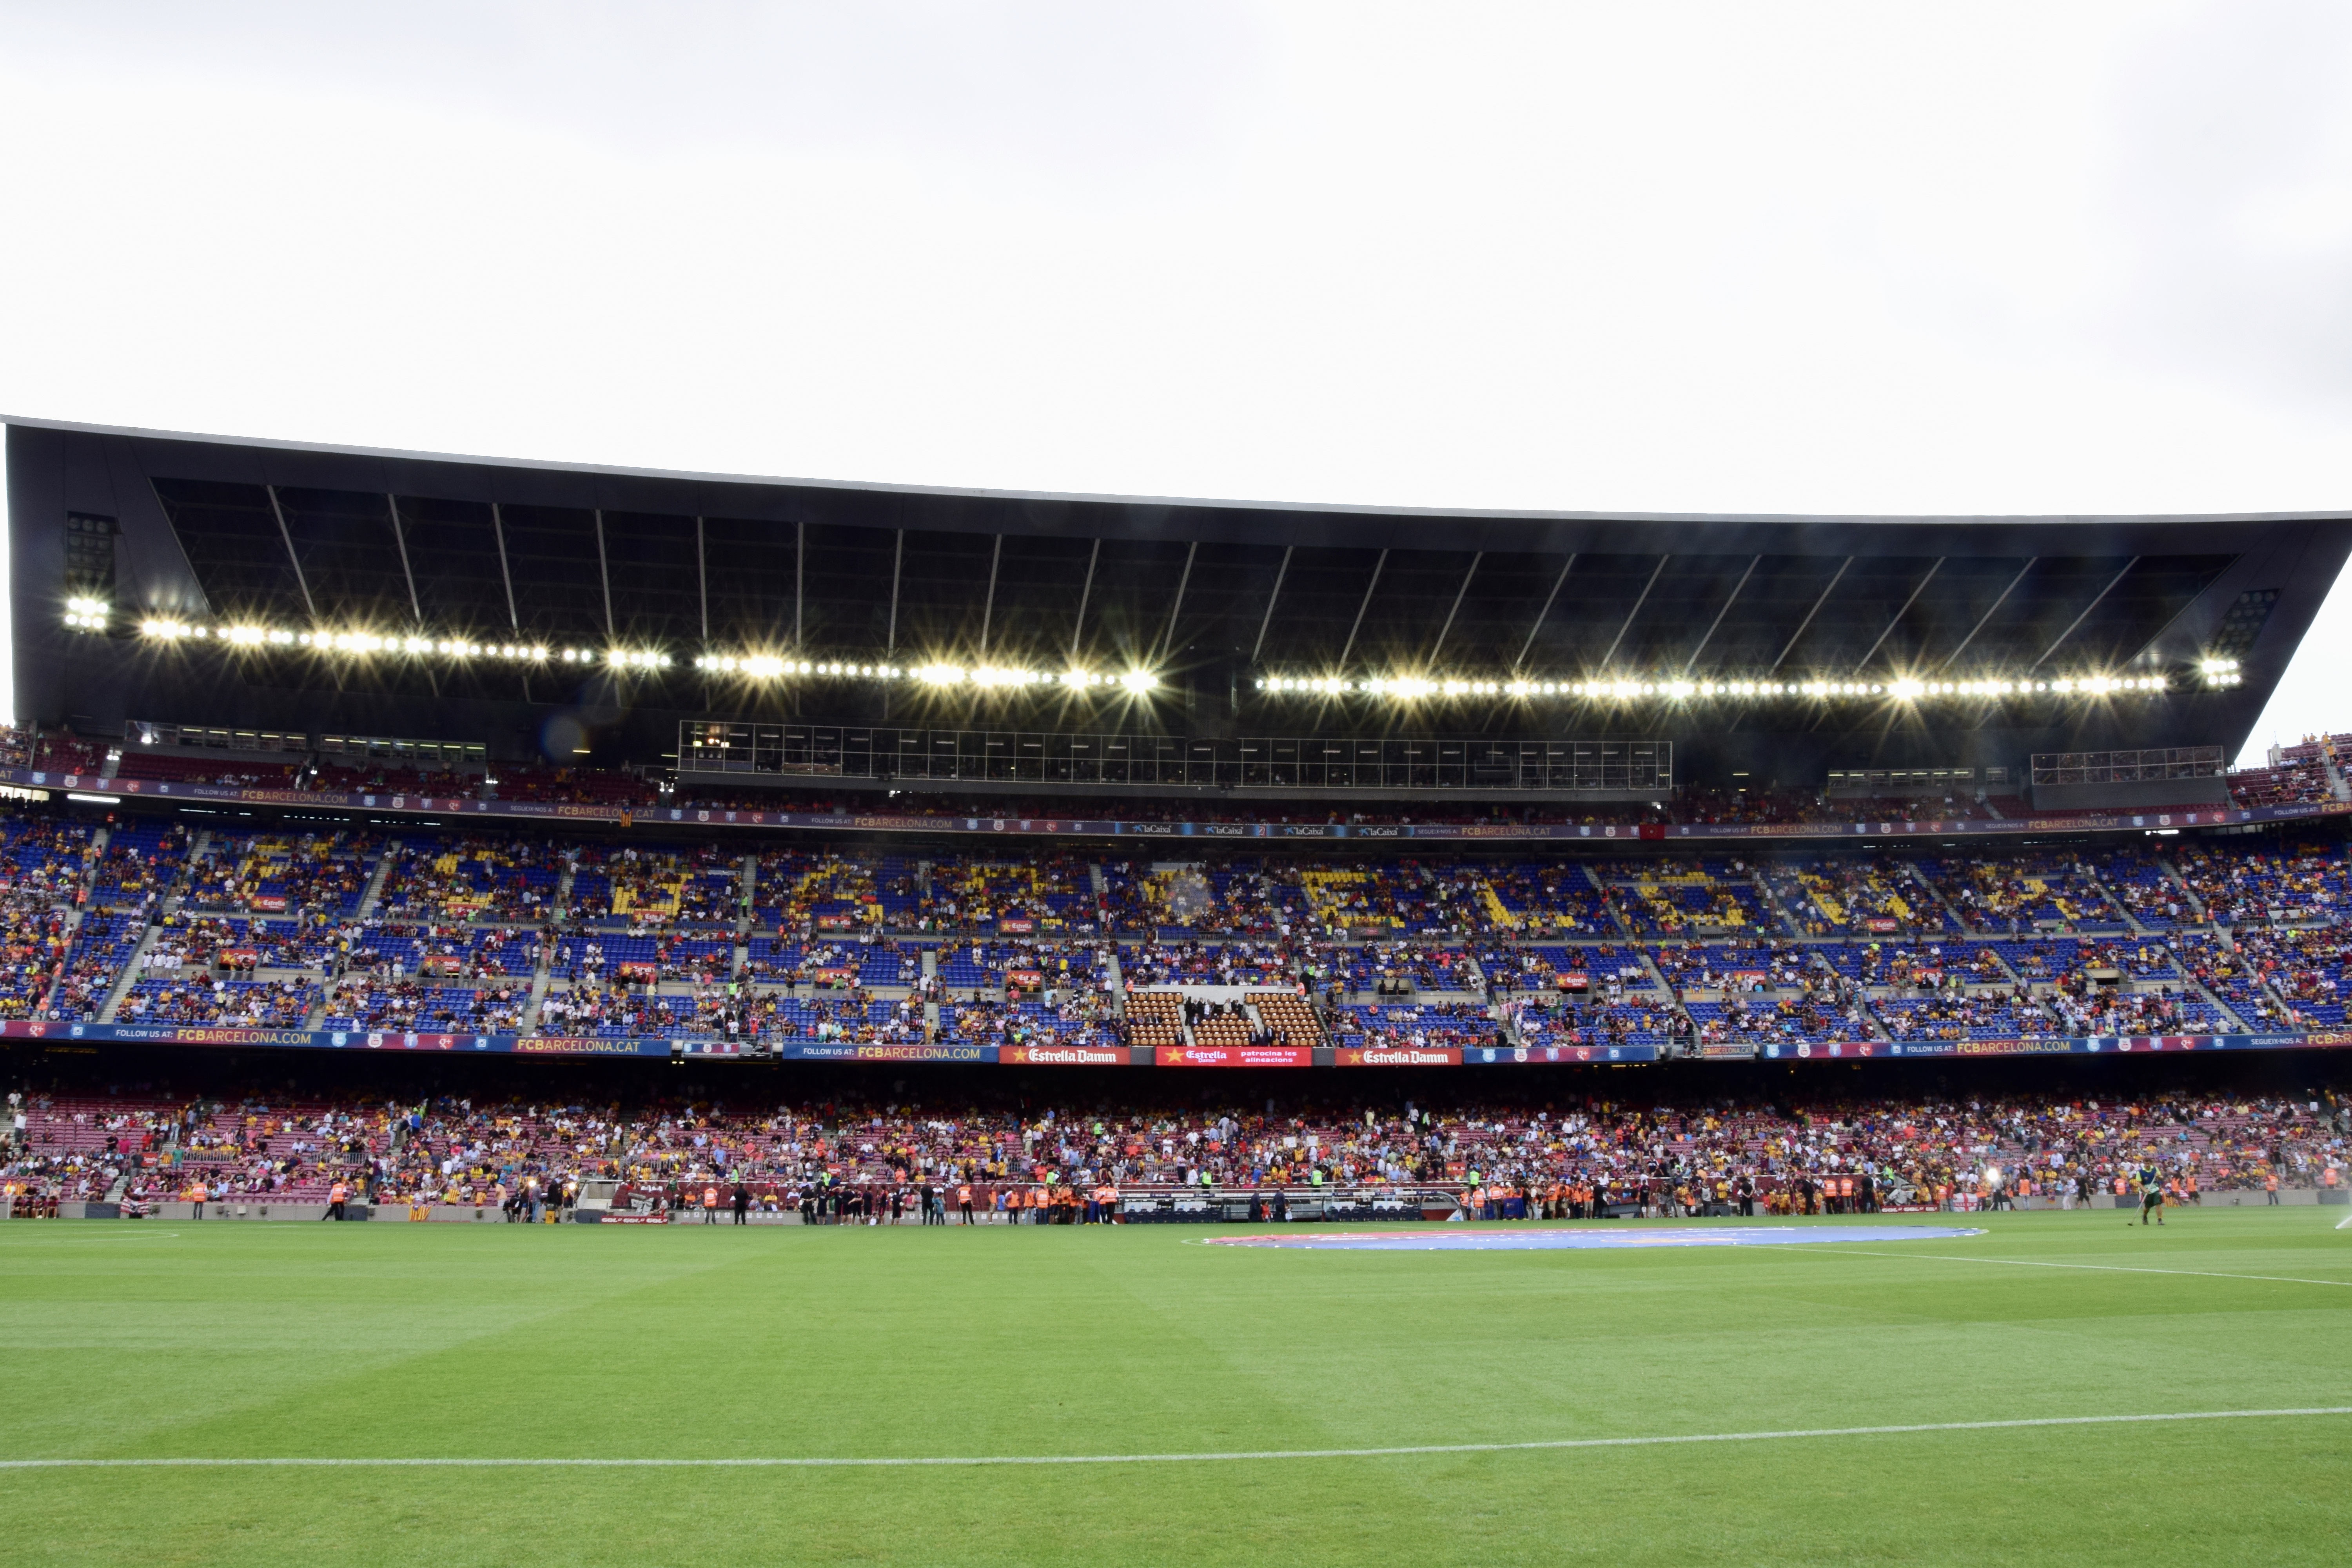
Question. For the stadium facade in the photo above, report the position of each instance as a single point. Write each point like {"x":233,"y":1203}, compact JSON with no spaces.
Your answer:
{"x":369,"y":751}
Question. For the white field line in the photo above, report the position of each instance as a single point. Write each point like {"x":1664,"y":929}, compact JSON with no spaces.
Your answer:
{"x":1422,"y":1449}
{"x":2094,"y":1267}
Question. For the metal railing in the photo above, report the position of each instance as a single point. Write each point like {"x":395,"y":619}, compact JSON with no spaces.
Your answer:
{"x":2152,"y":765}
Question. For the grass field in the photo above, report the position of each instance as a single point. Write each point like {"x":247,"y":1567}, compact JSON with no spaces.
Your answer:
{"x":224,"y":1340}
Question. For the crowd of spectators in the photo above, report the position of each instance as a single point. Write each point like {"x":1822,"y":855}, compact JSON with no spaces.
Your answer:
{"x":1594,"y":1152}
{"x":2297,"y":774}
{"x":485,"y":931}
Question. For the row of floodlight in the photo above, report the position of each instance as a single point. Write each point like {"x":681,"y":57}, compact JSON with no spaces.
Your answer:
{"x":93,"y":615}
{"x":164,"y":629}
{"x":88,"y":614}
{"x":771,"y":667}
{"x":1413,"y":689}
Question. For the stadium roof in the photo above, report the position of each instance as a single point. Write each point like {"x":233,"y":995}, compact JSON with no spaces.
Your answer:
{"x":1224,"y":600}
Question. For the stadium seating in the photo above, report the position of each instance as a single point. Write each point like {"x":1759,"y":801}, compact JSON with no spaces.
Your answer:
{"x":1872,"y":896}
{"x":276,"y":1005}
{"x":2298,"y":775}
{"x":2002,"y":891}
{"x":243,"y":771}
{"x":1421,"y":1025}
{"x":1762,"y":1020}
{"x":1155,"y":1018}
{"x":433,"y":930}
{"x":246,"y":1142}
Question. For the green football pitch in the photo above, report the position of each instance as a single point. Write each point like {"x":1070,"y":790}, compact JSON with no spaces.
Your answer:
{"x":268,"y":1341}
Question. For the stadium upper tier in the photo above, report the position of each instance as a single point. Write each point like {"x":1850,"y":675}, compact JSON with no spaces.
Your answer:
{"x":2304,"y":780}
{"x":554,"y":614}
{"x":204,"y":930}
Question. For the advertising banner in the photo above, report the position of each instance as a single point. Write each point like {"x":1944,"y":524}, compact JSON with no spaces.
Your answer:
{"x":587,"y":1046}
{"x":2058,"y":1045}
{"x":159,"y":1034}
{"x":327,"y":1039}
{"x":2316,"y":1039}
{"x":2038,"y":1046}
{"x":918,"y":1051}
{"x":1521,"y":1056}
{"x":1848,"y":1050}
{"x":1065,"y":1056}
{"x":221,"y":1034}
{"x":1236,"y":1057}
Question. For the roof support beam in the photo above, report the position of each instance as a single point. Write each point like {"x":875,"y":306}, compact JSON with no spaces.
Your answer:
{"x":277,"y":509}
{"x":1864,"y":662}
{"x":702,"y":576}
{"x":1989,"y":615}
{"x":1168,"y":637}
{"x":604,"y":576}
{"x":1085,"y":594}
{"x":1615,"y":643}
{"x":2078,"y":620}
{"x":1790,"y":647}
{"x":1712,"y":625}
{"x":1267,"y":619}
{"x":1367,"y":604}
{"x":400,"y":538}
{"x":800,"y":576}
{"x":506,"y":575}
{"x":1566,"y":567}
{"x":1437,"y":646}
{"x":2161,"y":632}
{"x":988,"y":607}
{"x":897,"y":560}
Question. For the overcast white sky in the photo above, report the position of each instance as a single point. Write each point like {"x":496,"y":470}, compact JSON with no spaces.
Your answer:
{"x":1980,"y":257}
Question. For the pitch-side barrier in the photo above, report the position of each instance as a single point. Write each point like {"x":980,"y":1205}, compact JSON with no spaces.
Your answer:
{"x":582,"y":1048}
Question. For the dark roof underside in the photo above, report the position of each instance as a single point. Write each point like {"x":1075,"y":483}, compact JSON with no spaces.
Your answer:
{"x":1213,"y":596}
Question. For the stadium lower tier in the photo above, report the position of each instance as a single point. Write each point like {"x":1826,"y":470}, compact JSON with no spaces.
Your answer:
{"x":868,"y":1143}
